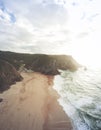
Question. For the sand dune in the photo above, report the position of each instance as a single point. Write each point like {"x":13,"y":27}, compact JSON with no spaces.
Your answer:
{"x":32,"y":105}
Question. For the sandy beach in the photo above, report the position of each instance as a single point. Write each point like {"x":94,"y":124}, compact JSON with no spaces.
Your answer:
{"x":32,"y":105}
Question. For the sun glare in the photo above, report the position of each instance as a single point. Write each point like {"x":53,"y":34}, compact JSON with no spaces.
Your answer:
{"x":87,"y":54}
{"x":85,"y":50}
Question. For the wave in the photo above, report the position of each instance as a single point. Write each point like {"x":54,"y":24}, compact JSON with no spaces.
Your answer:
{"x":80,"y":97}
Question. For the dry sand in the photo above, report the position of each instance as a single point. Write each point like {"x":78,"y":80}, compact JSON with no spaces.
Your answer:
{"x":32,"y":105}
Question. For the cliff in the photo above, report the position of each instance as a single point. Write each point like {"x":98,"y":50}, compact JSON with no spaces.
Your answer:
{"x":8,"y":75}
{"x":45,"y":64}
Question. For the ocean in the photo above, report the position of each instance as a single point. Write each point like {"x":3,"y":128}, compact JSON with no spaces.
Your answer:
{"x":80,"y":97}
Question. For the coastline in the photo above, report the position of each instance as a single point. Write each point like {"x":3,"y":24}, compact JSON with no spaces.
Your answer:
{"x":32,"y":104}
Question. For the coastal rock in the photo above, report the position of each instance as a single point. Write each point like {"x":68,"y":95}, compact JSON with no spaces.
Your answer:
{"x":8,"y":75}
{"x":45,"y":64}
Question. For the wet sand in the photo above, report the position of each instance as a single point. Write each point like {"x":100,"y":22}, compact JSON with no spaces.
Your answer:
{"x":32,"y":105}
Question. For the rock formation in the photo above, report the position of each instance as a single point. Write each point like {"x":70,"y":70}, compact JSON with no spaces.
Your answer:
{"x":8,"y":75}
{"x":45,"y":64}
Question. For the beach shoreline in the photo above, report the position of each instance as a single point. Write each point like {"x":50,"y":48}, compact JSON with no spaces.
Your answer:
{"x":32,"y":105}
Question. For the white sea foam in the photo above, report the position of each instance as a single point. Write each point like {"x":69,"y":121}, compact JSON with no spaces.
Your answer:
{"x":80,"y":97}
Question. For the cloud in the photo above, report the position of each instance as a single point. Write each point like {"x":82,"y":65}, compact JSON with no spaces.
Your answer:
{"x":27,"y":25}
{"x":45,"y":26}
{"x":39,"y":13}
{"x":5,"y":14}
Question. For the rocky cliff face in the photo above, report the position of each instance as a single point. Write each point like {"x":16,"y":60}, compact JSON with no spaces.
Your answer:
{"x":45,"y":64}
{"x":8,"y":75}
{"x":11,"y":62}
{"x":50,"y":64}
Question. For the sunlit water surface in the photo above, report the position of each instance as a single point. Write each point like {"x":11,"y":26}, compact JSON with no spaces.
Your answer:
{"x":80,"y":93}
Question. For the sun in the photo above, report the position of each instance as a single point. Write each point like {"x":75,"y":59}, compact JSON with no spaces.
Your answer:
{"x":87,"y":55}
{"x":85,"y":51}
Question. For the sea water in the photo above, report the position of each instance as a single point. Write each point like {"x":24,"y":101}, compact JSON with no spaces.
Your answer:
{"x":80,"y":93}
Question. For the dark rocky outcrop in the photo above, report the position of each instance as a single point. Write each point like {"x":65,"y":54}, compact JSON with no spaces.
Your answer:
{"x":1,"y":99}
{"x":8,"y":75}
{"x":10,"y":63}
{"x":45,"y":64}
{"x":50,"y":64}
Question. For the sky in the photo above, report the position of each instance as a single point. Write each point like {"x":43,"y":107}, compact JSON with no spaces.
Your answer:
{"x":53,"y":27}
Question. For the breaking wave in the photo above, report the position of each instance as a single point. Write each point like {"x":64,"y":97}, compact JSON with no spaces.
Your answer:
{"x":80,"y":93}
